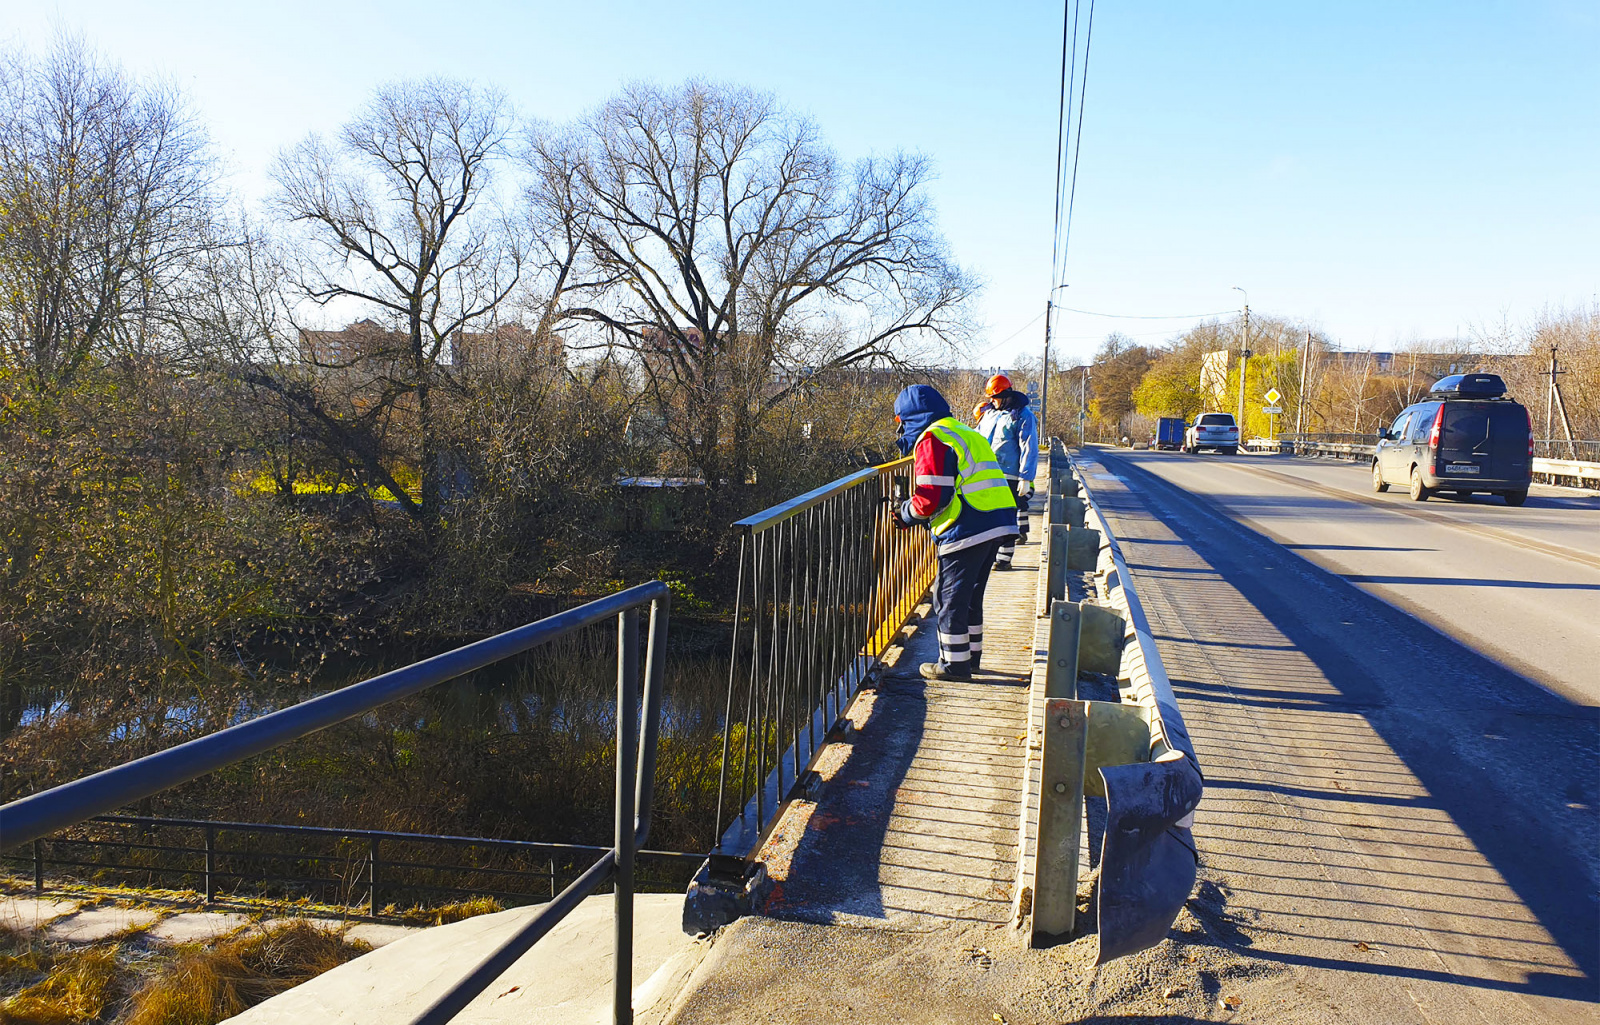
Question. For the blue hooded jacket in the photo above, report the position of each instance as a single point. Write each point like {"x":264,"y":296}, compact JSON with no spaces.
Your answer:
{"x":918,"y":407}
{"x":935,"y":476}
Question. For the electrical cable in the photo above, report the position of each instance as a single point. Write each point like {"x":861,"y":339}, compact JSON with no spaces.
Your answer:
{"x":1010,"y":336}
{"x":1077,"y":147}
{"x":1133,"y":316}
{"x":1063,"y":105}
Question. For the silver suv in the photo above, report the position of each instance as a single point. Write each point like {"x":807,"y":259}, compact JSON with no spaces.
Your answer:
{"x":1216,"y":431}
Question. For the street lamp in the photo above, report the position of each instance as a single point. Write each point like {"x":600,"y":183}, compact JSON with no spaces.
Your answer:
{"x":1244,"y":357}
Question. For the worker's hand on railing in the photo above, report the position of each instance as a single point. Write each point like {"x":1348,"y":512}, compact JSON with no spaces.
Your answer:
{"x":900,"y":519}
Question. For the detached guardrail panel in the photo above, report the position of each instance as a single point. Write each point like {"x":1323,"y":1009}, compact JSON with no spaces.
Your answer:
{"x":1136,"y":752}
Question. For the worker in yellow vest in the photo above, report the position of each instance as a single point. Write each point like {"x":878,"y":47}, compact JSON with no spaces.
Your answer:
{"x":961,"y":494}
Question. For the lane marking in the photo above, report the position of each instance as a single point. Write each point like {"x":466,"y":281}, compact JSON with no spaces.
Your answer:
{"x":1492,"y":533}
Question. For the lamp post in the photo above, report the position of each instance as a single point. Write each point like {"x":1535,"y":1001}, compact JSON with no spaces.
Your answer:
{"x":1244,"y":357}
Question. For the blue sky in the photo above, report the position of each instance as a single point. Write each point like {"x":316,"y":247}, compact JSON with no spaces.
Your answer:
{"x":1386,"y":172}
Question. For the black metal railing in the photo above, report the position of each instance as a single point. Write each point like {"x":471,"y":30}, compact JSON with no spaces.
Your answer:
{"x":826,"y":581}
{"x":638,"y":719}
{"x":361,"y":870}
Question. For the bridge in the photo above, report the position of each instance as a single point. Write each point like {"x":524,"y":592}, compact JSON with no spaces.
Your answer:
{"x":1390,"y":710}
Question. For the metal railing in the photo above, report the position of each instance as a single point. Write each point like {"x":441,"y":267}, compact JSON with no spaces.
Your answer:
{"x":40,"y":815}
{"x":374,"y":864}
{"x":825,"y":583}
{"x":1561,"y":448}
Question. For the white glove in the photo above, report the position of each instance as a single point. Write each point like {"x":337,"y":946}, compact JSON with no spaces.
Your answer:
{"x":1025,"y":490}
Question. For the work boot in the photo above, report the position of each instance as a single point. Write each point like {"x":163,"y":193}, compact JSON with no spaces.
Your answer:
{"x":1002,"y":564}
{"x":944,"y":671}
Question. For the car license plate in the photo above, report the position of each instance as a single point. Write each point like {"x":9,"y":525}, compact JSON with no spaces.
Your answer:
{"x":1460,"y":468}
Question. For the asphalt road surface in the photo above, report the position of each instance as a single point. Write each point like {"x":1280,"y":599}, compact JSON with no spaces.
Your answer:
{"x":1520,"y":585}
{"x":1395,"y":813}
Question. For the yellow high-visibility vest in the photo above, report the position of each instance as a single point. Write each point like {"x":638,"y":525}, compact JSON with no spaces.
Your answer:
{"x":979,"y":481}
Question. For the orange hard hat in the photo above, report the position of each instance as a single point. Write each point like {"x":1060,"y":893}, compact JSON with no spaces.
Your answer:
{"x":997,"y":384}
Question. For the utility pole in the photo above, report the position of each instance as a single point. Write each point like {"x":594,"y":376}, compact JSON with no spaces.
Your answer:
{"x":1244,"y":366}
{"x":1083,"y":410}
{"x":1044,"y":378}
{"x":1560,"y":403}
{"x":1300,"y":400}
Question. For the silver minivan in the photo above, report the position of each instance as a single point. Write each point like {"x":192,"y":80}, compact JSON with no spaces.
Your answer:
{"x":1466,"y":437}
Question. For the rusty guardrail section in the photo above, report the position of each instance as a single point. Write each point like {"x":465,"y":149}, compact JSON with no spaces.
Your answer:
{"x":826,"y":582}
{"x":1134,"y":752}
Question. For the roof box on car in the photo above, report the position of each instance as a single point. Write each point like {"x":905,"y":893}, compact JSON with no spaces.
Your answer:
{"x":1468,"y":386}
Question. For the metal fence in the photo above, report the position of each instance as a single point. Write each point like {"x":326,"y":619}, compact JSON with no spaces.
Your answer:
{"x":638,"y":719}
{"x":359,"y":869}
{"x":825,"y":583}
{"x":1561,"y":448}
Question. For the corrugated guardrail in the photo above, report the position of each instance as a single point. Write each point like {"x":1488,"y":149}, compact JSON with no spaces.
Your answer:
{"x":1570,"y":472}
{"x":1144,"y":764}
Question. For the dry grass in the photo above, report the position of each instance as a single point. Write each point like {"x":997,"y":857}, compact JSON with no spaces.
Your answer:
{"x":466,"y":909}
{"x":204,"y":986}
{"x":80,"y":986}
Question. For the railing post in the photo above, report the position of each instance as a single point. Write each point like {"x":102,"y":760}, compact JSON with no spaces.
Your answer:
{"x":1055,"y":894}
{"x":552,"y":879}
{"x":1059,"y":540}
{"x":627,"y":767}
{"x":372,"y":876}
{"x":38,"y":866}
{"x":1061,"y":673}
{"x":211,"y":864}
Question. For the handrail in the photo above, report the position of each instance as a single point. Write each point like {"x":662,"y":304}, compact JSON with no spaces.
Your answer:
{"x":40,"y":814}
{"x":825,"y":582}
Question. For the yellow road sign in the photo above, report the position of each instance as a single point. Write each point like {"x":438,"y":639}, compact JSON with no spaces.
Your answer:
{"x":1272,"y":397}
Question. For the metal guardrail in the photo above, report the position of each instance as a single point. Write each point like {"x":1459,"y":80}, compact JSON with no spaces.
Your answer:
{"x":1138,"y":746}
{"x":367,"y":870}
{"x":1561,"y":448}
{"x":1582,"y":473}
{"x":38,"y":816}
{"x":825,"y":583}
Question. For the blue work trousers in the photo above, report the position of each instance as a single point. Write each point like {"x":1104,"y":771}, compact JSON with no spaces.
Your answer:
{"x":958,"y":601}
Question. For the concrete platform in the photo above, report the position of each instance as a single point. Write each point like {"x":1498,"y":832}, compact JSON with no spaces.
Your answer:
{"x":27,"y":914}
{"x":564,"y":980}
{"x":196,"y":927}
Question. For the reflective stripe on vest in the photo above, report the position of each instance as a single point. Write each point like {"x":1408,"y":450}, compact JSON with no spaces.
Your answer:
{"x":978,"y":482}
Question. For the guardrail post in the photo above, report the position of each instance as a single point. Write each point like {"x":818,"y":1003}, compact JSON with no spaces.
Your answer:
{"x":38,"y":866}
{"x":1067,"y":509}
{"x":1055,"y":894}
{"x":372,"y":876}
{"x":1058,"y":540}
{"x":211,"y":864}
{"x":1062,"y":482}
{"x":552,"y":879}
{"x":1061,"y":670}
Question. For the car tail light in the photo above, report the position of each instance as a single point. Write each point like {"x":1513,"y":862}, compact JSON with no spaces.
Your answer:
{"x":1433,"y":437}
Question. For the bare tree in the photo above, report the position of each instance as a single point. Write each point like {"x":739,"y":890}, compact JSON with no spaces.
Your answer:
{"x":720,"y":240}
{"x":398,"y":210}
{"x":105,"y":206}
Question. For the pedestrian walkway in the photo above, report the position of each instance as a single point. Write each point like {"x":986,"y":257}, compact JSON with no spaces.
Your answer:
{"x":917,"y":822}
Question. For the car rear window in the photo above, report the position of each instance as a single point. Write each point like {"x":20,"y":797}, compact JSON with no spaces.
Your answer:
{"x":1471,"y":424}
{"x":1215,"y":419}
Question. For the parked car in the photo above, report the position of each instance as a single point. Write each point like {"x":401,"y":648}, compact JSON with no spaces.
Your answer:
{"x":1465,"y":437}
{"x":1216,"y":431}
{"x":1169,"y":433}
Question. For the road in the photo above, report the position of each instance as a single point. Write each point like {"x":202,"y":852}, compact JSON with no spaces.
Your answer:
{"x":1520,"y":585}
{"x":1395,"y":814}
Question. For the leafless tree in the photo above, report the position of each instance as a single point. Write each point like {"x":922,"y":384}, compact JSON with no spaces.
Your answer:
{"x":400,"y":216}
{"x":105,"y":206}
{"x":721,"y":241}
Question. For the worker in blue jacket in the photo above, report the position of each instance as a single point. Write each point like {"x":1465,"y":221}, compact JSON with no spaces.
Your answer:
{"x":1013,"y":433}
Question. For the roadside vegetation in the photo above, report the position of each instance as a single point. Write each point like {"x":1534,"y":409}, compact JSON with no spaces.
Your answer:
{"x":1322,"y":388}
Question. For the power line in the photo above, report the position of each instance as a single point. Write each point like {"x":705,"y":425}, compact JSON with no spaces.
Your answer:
{"x":1061,"y":115}
{"x":1133,"y":316}
{"x":1077,"y":146}
{"x":1012,"y":335}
